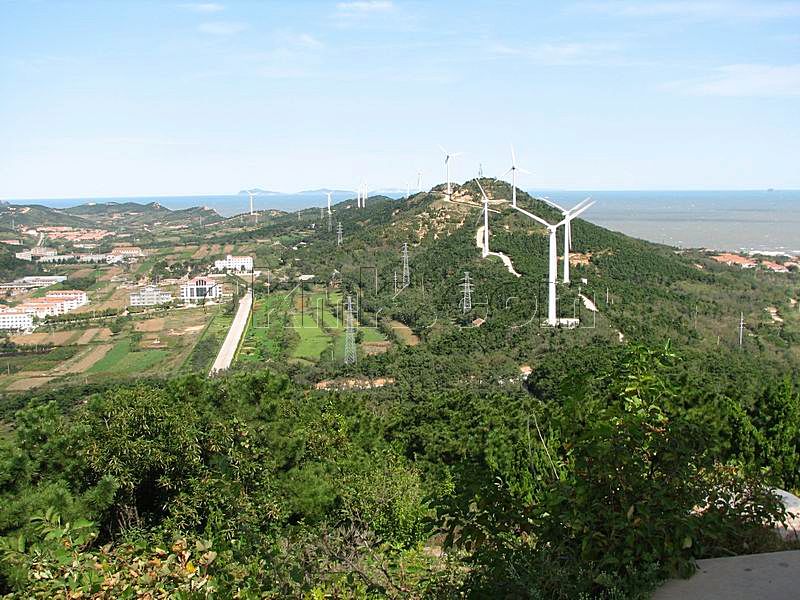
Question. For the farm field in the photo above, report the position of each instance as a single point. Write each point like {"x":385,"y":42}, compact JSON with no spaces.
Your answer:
{"x":139,"y":345}
{"x":305,"y":327}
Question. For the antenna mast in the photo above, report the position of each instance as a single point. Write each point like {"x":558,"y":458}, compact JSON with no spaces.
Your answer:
{"x":467,"y":287}
{"x":350,"y":355}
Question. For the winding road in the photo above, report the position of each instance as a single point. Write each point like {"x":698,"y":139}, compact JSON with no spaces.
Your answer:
{"x":228,"y":349}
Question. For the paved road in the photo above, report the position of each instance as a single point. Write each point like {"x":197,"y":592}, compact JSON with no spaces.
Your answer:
{"x":772,"y":576}
{"x":225,"y":356}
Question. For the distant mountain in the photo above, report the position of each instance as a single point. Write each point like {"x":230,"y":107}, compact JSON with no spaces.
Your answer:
{"x":36,"y":215}
{"x":322,"y":192}
{"x":260,"y":192}
{"x":132,"y":214}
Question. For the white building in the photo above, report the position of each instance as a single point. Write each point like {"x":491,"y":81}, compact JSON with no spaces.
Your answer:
{"x":72,"y":298}
{"x":56,"y":258}
{"x":200,"y":288}
{"x":234,"y":263}
{"x":127,"y":251}
{"x":16,"y":320}
{"x":150,"y":295}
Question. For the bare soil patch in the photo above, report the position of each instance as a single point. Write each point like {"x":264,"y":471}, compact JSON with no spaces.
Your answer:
{"x":28,"y":383}
{"x":87,"y":336}
{"x":150,"y":325}
{"x":86,"y":360}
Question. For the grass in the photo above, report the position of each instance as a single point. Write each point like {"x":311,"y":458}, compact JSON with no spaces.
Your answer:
{"x":313,"y":340}
{"x":120,"y":359}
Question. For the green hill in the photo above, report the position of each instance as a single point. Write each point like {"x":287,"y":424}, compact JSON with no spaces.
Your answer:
{"x":655,"y":293}
{"x":35,"y":215}
{"x":133,"y":214}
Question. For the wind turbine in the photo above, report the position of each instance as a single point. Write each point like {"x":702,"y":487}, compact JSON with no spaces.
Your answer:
{"x":552,"y":320}
{"x":513,"y":170}
{"x":447,"y":157}
{"x":569,"y":214}
{"x":419,"y":181}
{"x":485,"y":251}
{"x":329,"y":202}
{"x":251,"y":194}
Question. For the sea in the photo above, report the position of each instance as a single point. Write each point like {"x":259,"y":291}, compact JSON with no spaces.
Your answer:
{"x":756,"y":221}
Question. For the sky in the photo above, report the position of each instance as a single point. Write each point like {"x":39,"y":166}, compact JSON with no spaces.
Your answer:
{"x":136,"y":98}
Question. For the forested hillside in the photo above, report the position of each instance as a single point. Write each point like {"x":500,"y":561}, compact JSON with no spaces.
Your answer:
{"x":497,"y":458}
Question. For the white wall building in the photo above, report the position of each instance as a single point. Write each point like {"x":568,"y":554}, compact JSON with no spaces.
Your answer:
{"x":234,"y":263}
{"x":72,"y":298}
{"x":16,"y":320}
{"x":150,"y":295}
{"x":200,"y":288}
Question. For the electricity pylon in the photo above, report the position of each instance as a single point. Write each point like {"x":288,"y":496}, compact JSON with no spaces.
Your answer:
{"x":406,"y":270}
{"x":467,"y":287}
{"x":339,"y":234}
{"x":350,"y":355}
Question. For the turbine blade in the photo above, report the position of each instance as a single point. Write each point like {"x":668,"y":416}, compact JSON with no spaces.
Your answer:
{"x":521,"y":170}
{"x":443,"y":150}
{"x":582,"y":209}
{"x":535,"y":218}
{"x":581,"y":203}
{"x":513,"y":157}
{"x":553,"y":204}
{"x":481,"y":188}
{"x":507,"y":172}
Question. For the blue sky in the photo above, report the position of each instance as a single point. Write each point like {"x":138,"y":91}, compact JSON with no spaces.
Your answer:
{"x":117,"y":98}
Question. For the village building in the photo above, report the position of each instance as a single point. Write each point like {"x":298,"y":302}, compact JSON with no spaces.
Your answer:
{"x":150,"y":295}
{"x":234,"y":263}
{"x":127,"y":252}
{"x":15,"y":320}
{"x":200,"y":288}
{"x":735,"y":259}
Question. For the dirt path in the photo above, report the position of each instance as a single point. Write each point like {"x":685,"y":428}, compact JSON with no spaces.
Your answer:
{"x":506,"y":260}
{"x":405,"y":333}
{"x":83,"y":362}
{"x":588,"y":303}
{"x":87,"y":336}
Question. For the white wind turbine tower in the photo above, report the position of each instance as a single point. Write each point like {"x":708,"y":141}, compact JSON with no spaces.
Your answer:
{"x":513,"y":170}
{"x":552,"y":320}
{"x":447,"y":158}
{"x":419,"y":181}
{"x":329,"y":202}
{"x":251,"y":194}
{"x":569,"y":214}
{"x":485,"y":250}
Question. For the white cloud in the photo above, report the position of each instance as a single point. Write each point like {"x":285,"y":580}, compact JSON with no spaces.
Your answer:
{"x":561,"y":53}
{"x":203,"y":7}
{"x":364,"y":6}
{"x":222,"y":27}
{"x":742,"y":9}
{"x":744,"y":80}
{"x":305,"y":40}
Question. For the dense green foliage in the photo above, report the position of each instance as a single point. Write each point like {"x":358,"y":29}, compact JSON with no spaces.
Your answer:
{"x":250,"y":485}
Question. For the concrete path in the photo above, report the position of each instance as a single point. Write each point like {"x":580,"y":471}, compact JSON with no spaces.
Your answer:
{"x":506,"y":260}
{"x":771,"y":576}
{"x":228,"y":349}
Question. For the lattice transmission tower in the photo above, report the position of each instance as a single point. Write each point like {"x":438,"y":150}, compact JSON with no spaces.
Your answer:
{"x":339,"y":234}
{"x":350,"y":355}
{"x":467,"y":286}
{"x":406,"y":269}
